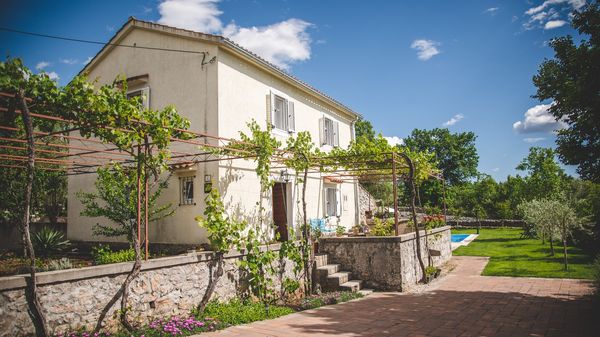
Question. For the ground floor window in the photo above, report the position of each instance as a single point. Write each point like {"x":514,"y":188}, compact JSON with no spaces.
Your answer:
{"x":186,"y":185}
{"x":332,"y":202}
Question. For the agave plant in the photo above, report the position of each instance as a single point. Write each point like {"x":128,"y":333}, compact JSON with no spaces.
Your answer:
{"x":49,"y":241}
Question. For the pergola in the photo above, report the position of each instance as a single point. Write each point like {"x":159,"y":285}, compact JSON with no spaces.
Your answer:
{"x":76,"y":155}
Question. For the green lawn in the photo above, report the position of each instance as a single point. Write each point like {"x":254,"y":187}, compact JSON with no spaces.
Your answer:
{"x":511,"y":255}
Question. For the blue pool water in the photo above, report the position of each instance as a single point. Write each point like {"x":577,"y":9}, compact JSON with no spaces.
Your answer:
{"x":458,"y":237}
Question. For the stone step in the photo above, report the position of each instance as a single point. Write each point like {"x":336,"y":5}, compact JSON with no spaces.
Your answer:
{"x":366,"y":292}
{"x":320,"y":260}
{"x":328,"y":269}
{"x":336,"y":279}
{"x":352,"y":285}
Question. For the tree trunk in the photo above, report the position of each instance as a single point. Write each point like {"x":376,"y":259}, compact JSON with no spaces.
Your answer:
{"x":551,"y":247}
{"x":34,"y":304}
{"x":212,"y":283}
{"x":565,"y":254}
{"x":307,"y":252}
{"x":137,"y":264}
{"x":411,"y":174}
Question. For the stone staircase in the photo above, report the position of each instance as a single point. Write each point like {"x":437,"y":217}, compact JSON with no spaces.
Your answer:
{"x":331,"y":278}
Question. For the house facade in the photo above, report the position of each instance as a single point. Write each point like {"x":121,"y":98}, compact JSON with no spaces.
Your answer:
{"x":220,"y":87}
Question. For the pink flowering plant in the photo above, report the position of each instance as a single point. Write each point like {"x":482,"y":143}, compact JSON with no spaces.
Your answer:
{"x":174,"y":326}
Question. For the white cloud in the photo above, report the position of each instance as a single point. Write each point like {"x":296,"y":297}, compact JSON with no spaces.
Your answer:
{"x":547,"y":16}
{"x":197,"y":15}
{"x":495,"y":169}
{"x":42,"y":65}
{"x":576,"y":4}
{"x":455,"y":119}
{"x":281,"y":43}
{"x":68,"y":61}
{"x":538,"y":119}
{"x":533,"y":139}
{"x":87,"y":60}
{"x":394,"y":140}
{"x":491,"y":10}
{"x":554,"y":24}
{"x":426,"y":49}
{"x":53,"y":76}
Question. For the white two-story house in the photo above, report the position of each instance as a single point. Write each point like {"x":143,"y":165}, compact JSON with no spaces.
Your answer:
{"x":220,"y":92}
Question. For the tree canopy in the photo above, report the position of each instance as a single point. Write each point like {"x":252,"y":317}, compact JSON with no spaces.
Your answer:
{"x":455,"y":153}
{"x":572,"y":81}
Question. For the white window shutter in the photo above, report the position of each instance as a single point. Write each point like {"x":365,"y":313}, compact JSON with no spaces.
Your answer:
{"x":291,"y":117}
{"x":338,"y":201}
{"x":146,"y":97}
{"x":336,"y":134}
{"x":270,"y":108}
{"x":322,"y":131}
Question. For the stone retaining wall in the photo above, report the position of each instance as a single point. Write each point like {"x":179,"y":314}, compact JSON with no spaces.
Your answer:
{"x":74,"y":298}
{"x":388,"y":262}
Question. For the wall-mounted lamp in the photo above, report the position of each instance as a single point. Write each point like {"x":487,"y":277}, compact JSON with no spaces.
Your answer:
{"x":284,"y":176}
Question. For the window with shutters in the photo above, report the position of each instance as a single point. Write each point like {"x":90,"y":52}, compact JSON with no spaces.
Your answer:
{"x":186,"y":186}
{"x":329,"y":132}
{"x":144,"y":94}
{"x":282,"y":114}
{"x":332,"y":202}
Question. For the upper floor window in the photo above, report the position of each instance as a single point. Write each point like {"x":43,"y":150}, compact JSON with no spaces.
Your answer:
{"x":143,"y":94}
{"x":282,"y":113}
{"x":329,"y":132}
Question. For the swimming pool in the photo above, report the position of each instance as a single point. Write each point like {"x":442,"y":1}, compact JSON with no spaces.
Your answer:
{"x":458,"y":237}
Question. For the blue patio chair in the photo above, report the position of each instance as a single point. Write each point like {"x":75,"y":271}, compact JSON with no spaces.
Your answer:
{"x":321,"y":225}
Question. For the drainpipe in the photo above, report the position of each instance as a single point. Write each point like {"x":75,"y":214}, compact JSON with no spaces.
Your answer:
{"x":356,"y":195}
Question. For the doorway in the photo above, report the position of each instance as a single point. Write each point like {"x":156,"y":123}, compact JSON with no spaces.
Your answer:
{"x":280,"y":214}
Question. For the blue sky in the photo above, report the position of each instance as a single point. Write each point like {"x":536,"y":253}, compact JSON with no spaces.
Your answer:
{"x":466,"y":65}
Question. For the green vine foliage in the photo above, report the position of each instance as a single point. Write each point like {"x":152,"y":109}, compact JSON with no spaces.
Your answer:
{"x":115,"y":199}
{"x":223,"y":232}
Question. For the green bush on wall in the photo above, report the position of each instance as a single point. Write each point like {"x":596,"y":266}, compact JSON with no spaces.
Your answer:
{"x":104,"y":255}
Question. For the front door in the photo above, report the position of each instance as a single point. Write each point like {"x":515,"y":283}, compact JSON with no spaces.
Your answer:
{"x":280,"y":211}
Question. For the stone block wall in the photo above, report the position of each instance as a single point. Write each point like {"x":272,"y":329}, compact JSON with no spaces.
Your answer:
{"x":386,"y":263}
{"x":75,"y":298}
{"x":366,"y":202}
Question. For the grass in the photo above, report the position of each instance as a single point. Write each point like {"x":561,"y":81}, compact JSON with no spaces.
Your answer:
{"x":511,"y":255}
{"x":237,"y":312}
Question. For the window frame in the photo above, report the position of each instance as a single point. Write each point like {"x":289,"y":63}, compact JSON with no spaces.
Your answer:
{"x":288,"y":114}
{"x":185,"y":200}
{"x":144,"y":92}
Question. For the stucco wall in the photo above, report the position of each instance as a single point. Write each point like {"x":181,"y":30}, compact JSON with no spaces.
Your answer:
{"x":218,"y":98}
{"x":386,"y":263}
{"x":173,"y":78}
{"x":74,"y":298}
{"x":244,"y":91}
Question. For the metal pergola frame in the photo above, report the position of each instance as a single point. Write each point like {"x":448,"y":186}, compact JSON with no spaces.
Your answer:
{"x":89,"y":154}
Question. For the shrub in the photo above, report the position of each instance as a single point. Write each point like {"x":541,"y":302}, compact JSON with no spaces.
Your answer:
{"x":383,"y":227}
{"x":49,"y":241}
{"x":61,"y":264}
{"x":237,"y":311}
{"x":104,"y":255}
{"x":315,"y":301}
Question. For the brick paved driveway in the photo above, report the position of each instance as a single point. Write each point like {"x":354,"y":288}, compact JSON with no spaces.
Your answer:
{"x":462,"y":304}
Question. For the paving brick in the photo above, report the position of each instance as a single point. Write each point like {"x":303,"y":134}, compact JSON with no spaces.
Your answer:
{"x":462,"y":304}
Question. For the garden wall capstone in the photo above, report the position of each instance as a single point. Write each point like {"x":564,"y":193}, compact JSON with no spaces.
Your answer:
{"x":386,"y":262}
{"x":74,"y":298}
